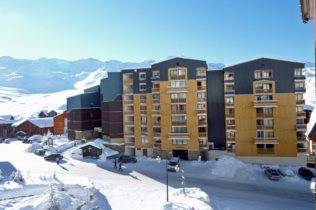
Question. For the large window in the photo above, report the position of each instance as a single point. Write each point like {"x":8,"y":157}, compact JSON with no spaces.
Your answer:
{"x":229,"y":100}
{"x":178,"y":84}
{"x":142,"y":76}
{"x":264,"y":134}
{"x":142,"y":86}
{"x":156,"y":74}
{"x":179,"y":141}
{"x":298,"y":72}
{"x":263,"y":74}
{"x":178,"y":95}
{"x":179,"y":129}
{"x":178,"y":107}
{"x":200,"y":72}
{"x":299,"y":85}
{"x":228,"y":76}
{"x":178,"y":73}
{"x":264,"y":98}
{"x":144,"y":140}
{"x":179,"y":118}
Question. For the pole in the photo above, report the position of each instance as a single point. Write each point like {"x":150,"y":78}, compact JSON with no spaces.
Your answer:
{"x":167,"y":181}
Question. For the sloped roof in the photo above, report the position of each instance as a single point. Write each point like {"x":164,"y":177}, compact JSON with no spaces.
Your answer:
{"x":39,"y":122}
{"x":6,"y":119}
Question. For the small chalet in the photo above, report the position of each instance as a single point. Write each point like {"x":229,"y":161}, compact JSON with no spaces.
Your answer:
{"x":91,"y":149}
{"x":34,"y":126}
{"x":6,"y":130}
{"x":51,"y":113}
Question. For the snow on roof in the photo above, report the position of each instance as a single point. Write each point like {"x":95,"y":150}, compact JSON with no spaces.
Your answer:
{"x":7,"y":119}
{"x":39,"y":122}
{"x":99,"y":143}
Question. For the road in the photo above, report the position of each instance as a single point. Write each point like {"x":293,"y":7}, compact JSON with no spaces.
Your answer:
{"x":142,"y":183}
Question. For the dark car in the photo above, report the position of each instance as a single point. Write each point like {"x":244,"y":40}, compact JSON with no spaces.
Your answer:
{"x":305,"y":173}
{"x":40,"y":152}
{"x":53,"y":156}
{"x":127,"y":159}
{"x":273,"y":174}
{"x":174,"y":164}
{"x":25,"y":140}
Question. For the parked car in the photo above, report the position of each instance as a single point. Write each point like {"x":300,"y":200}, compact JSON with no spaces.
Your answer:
{"x":127,"y":159}
{"x":40,"y":152}
{"x":305,"y":173}
{"x":273,"y":174}
{"x":53,"y":156}
{"x":35,"y":138}
{"x":25,"y":140}
{"x":7,"y":141}
{"x":174,"y":164}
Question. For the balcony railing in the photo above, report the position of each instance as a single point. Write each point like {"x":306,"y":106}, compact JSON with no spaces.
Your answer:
{"x":301,"y":114}
{"x":143,"y":111}
{"x":202,"y":134}
{"x":263,"y":90}
{"x":178,"y":100}
{"x":156,"y":124}
{"x":230,"y":126}
{"x":201,"y":87}
{"x":128,"y":101}
{"x":177,"y":77}
{"x":264,"y":127}
{"x":201,"y":111}
{"x":301,"y":126}
{"x":263,"y":151}
{"x":230,"y":140}
{"x":232,"y":115}
{"x":201,"y":99}
{"x":129,"y":122}
{"x":185,"y":135}
{"x":301,"y":139}
{"x":128,"y":133}
{"x":156,"y":111}
{"x":229,"y":104}
{"x":130,"y":144}
{"x":202,"y":122}
{"x":301,"y":150}
{"x":178,"y":111}
{"x":302,"y":101}
{"x":155,"y":90}
{"x":129,"y":112}
{"x":143,"y":101}
{"x":179,"y":123}
{"x":265,"y":140}
{"x":157,"y":134}
{"x":229,"y":91}
{"x":300,"y":90}
{"x":263,"y":115}
{"x":156,"y":101}
{"x":265,"y":103}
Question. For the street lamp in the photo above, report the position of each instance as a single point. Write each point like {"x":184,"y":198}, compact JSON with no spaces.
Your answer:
{"x":167,"y":176}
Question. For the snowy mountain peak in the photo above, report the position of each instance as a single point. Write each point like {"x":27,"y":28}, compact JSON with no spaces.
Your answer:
{"x":92,"y":79}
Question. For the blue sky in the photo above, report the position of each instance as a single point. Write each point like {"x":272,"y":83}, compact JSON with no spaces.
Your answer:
{"x":225,"y":31}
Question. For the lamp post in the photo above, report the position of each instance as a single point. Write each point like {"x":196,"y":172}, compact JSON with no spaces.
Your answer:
{"x":167,"y":176}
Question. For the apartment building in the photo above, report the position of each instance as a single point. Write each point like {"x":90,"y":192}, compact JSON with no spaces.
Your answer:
{"x":165,"y":109}
{"x":264,"y":108}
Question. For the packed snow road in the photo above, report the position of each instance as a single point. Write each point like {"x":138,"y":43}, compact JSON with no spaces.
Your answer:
{"x":142,"y":185}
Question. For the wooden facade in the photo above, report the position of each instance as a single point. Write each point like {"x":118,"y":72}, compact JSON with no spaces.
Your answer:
{"x":60,"y":123}
{"x":32,"y":129}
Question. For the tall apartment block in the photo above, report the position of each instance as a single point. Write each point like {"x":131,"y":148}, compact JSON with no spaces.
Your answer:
{"x":264,"y":108}
{"x":178,"y":107}
{"x":165,"y":109}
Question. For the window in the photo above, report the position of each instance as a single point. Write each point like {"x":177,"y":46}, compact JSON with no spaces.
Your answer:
{"x":202,"y":118}
{"x":142,"y":86}
{"x":263,"y":74}
{"x":201,"y":95}
{"x":200,"y":72}
{"x":178,"y":107}
{"x":230,"y":111}
{"x":179,"y":141}
{"x":229,"y":100}
{"x":264,"y":134}
{"x":230,"y":122}
{"x":142,"y":75}
{"x":299,"y":109}
{"x":202,"y":129}
{"x":178,"y":95}
{"x":265,"y":110}
{"x":201,"y":83}
{"x":299,"y":97}
{"x":202,"y":141}
{"x":201,"y":106}
{"x":179,"y":118}
{"x":299,"y":121}
{"x":298,"y":72}
{"x":264,"y":97}
{"x":178,"y":84}
{"x":156,"y":120}
{"x":156,"y":107}
{"x":156,"y":74}
{"x":178,"y":73}
{"x":228,"y":76}
{"x":143,"y":119}
{"x":144,"y":140}
{"x":128,"y":97}
{"x":299,"y":85}
{"x":230,"y":134}
{"x":229,"y":87}
{"x":265,"y":122}
{"x":156,"y":86}
{"x":179,"y":129}
{"x":156,"y":96}
{"x":143,"y":130}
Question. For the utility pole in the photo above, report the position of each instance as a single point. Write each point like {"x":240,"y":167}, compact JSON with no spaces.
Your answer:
{"x":167,"y":180}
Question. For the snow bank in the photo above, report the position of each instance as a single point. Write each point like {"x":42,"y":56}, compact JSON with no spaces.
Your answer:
{"x":230,"y":167}
{"x":36,"y":138}
{"x":33,"y":147}
{"x":190,"y":198}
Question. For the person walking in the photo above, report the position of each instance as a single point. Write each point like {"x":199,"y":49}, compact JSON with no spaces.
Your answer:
{"x":120,"y":166}
{"x":115,"y":163}
{"x":57,"y":160}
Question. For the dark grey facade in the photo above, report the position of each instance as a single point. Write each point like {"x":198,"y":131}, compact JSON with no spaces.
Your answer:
{"x":111,"y":86}
{"x":244,"y":74}
{"x":86,"y":100}
{"x":216,"y":109}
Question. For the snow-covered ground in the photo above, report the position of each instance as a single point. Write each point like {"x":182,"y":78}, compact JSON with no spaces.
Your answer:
{"x":224,"y":184}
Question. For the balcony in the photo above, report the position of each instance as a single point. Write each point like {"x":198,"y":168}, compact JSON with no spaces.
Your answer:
{"x":301,"y":150}
{"x":143,"y":111}
{"x":201,"y":99}
{"x":127,"y":79}
{"x":143,"y":101}
{"x":201,"y":111}
{"x":264,"y":127}
{"x":301,"y":114}
{"x":201,"y":87}
{"x":231,"y":127}
{"x":178,"y":111}
{"x":264,"y":115}
{"x":129,"y":133}
{"x":229,"y":104}
{"x":127,"y":90}
{"x":128,"y":101}
{"x":178,"y":100}
{"x":302,"y":102}
{"x":229,"y":91}
{"x":179,"y":135}
{"x":129,"y":112}
{"x":177,"y":77}
{"x":156,"y":112}
{"x":265,"y":103}
{"x":230,"y":115}
{"x":204,"y":122}
{"x":155,"y":90}
{"x":157,"y":134}
{"x":265,"y":140}
{"x":301,"y":126}
{"x":300,"y":90}
{"x":202,"y":134}
{"x":264,"y":151}
{"x":263,"y":90}
{"x":156,"y":101}
{"x":230,"y":140}
{"x":156,"y":124}
{"x":130,"y":144}
{"x":179,"y":123}
{"x":301,"y":139}
{"x":129,"y":122}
